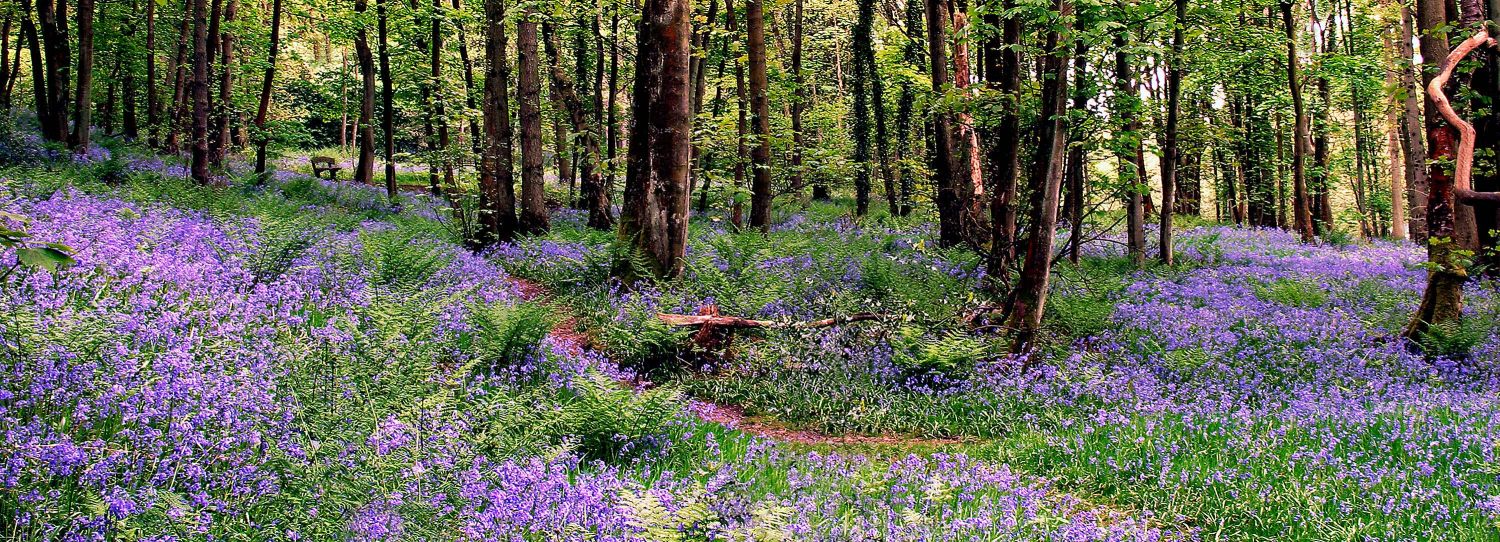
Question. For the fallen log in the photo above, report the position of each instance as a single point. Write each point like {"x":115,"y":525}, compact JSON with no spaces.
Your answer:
{"x":715,"y":320}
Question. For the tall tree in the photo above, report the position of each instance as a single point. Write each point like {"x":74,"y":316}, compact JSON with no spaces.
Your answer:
{"x":1171,"y":158}
{"x":497,"y":197}
{"x":83,"y":97}
{"x":1413,"y":148}
{"x":799,"y":102}
{"x":760,"y":116}
{"x":198,"y":89}
{"x":594,"y":197}
{"x":863,"y":126}
{"x":1002,"y":72}
{"x":1029,"y":299}
{"x":534,"y":217}
{"x":654,"y":222}
{"x":262,"y":111}
{"x":387,"y":96}
{"x":1301,"y":212}
{"x":364,"y":169}
{"x":223,"y":120}
{"x":1132,"y":162}
{"x":950,"y":228}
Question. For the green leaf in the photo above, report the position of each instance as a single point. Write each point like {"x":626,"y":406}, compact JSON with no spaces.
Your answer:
{"x":44,"y":257}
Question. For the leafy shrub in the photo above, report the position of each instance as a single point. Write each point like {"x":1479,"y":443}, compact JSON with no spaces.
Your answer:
{"x":504,"y":335}
{"x":1294,"y":293}
{"x":402,"y":260}
{"x":949,"y":354}
{"x":1453,"y":339}
{"x":282,"y":242}
{"x":610,"y":420}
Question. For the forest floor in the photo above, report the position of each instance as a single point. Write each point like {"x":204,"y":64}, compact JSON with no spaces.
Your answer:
{"x":306,"y":358}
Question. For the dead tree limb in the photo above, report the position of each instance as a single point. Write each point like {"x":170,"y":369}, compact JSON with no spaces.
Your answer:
{"x":715,"y":320}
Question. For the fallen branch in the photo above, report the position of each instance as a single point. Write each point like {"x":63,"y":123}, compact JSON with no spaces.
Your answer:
{"x":1472,"y":198}
{"x":714,"y":320}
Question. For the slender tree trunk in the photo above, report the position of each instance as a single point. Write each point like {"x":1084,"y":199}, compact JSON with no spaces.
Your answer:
{"x":1077,"y":172}
{"x":439,"y":107}
{"x":799,"y":102}
{"x":593,"y":196}
{"x":131,"y":129}
{"x":1128,"y":150}
{"x":263,"y":110}
{"x":38,"y":69}
{"x":153,"y":100}
{"x":655,"y":218}
{"x":387,"y":96}
{"x":224,"y":119}
{"x":1412,"y":145}
{"x":742,"y":126}
{"x":83,"y":97}
{"x":760,"y":117}
{"x":178,"y":71}
{"x":950,"y":227}
{"x":364,"y":169}
{"x":1171,"y":157}
{"x":1029,"y":300}
{"x":534,"y":217}
{"x":863,"y":77}
{"x":1300,"y":198}
{"x":497,"y":198}
{"x":7,"y":73}
{"x":198,"y":89}
{"x":1002,"y":72}
{"x":969,"y":171}
{"x":475,"y":141}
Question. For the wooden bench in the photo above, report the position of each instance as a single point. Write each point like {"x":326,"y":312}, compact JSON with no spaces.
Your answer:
{"x":321,"y":164}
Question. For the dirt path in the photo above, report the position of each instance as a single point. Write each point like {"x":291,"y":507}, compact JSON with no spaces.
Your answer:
{"x":566,"y":334}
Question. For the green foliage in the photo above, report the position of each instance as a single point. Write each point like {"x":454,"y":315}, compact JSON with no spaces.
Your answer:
{"x":1293,"y":292}
{"x":950,"y":353}
{"x":402,"y":260}
{"x":505,"y":334}
{"x":611,"y":419}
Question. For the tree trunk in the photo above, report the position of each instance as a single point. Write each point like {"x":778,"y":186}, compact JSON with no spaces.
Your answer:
{"x":1128,"y":150}
{"x":38,"y":68}
{"x":439,"y":108}
{"x":1301,"y":213}
{"x":497,"y":198}
{"x":760,"y":117}
{"x":655,"y":217}
{"x":534,"y":217}
{"x":178,"y":70}
{"x":742,"y":127}
{"x":387,"y":97}
{"x":799,"y":100}
{"x":970,"y":173}
{"x":198,"y":89}
{"x":561,"y":140}
{"x":1171,"y":157}
{"x":364,"y":169}
{"x":83,"y":97}
{"x":1029,"y":299}
{"x":226,"y":86}
{"x":950,"y":227}
{"x":262,"y":111}
{"x":1412,"y":145}
{"x":863,"y":77}
{"x":1442,"y":300}
{"x":153,"y":100}
{"x":53,"y":18}
{"x":1002,"y":72}
{"x":1078,"y":161}
{"x":595,"y":199}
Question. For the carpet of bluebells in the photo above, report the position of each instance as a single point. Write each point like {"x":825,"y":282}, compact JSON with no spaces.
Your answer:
{"x":302,"y":360}
{"x":1255,"y":391}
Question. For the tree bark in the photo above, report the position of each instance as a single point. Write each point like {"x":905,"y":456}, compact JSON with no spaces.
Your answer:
{"x":760,"y":117}
{"x":799,"y":100}
{"x":1078,"y":160}
{"x":1302,"y":216}
{"x":1170,"y":154}
{"x":595,"y":199}
{"x":262,"y":111}
{"x":497,"y":198}
{"x":387,"y":96}
{"x":950,"y":227}
{"x":223,"y":120}
{"x":534,"y":217}
{"x":198,"y":89}
{"x":1128,"y":150}
{"x":153,"y":100}
{"x":1412,"y":145}
{"x":1002,"y":72}
{"x":655,"y":218}
{"x":364,"y":169}
{"x":83,"y":97}
{"x":863,"y":77}
{"x":1029,"y":299}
